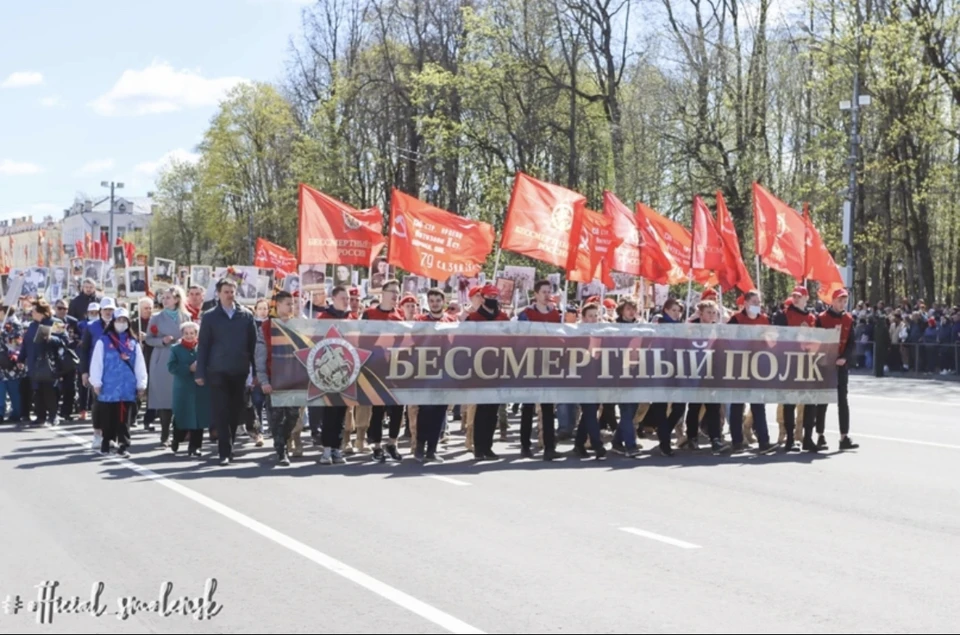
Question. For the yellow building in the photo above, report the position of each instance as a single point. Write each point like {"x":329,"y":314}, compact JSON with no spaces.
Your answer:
{"x":25,"y":243}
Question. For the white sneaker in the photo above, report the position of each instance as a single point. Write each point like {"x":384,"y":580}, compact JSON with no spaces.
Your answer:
{"x":327,"y":458}
{"x":96,"y":443}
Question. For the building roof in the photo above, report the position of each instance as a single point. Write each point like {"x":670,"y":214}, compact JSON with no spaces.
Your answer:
{"x":141,"y":204}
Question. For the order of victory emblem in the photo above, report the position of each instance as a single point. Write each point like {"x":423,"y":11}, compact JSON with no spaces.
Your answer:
{"x":350,"y":222}
{"x":333,"y":366}
{"x":561,"y":217}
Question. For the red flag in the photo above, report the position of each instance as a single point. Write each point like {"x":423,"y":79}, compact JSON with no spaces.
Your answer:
{"x":541,"y":218}
{"x":271,"y":256}
{"x":104,"y":247}
{"x":119,"y":242}
{"x":332,"y":232}
{"x":627,"y":256}
{"x":707,"y":252}
{"x":591,"y":256}
{"x":95,"y":253}
{"x":735,"y":273}
{"x":88,"y":242}
{"x":819,"y":264}
{"x":130,"y":252}
{"x":659,"y":264}
{"x":79,"y":249}
{"x":780,"y":233}
{"x":434,"y":243}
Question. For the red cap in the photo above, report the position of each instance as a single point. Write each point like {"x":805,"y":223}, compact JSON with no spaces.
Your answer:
{"x":594,"y":299}
{"x":354,"y":292}
{"x":801,"y":291}
{"x":708,"y":293}
{"x":491,"y":290}
{"x":609,"y":304}
{"x":475,"y":291}
{"x":840,"y":293}
{"x":407,"y":299}
{"x":788,"y":302}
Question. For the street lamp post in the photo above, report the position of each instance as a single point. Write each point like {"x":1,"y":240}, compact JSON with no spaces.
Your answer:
{"x":113,"y":187}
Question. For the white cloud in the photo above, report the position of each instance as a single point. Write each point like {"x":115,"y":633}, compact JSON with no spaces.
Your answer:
{"x":160,"y":88}
{"x":9,"y":167}
{"x":51,"y":102}
{"x":181,"y":155}
{"x":96,"y":166}
{"x":21,"y":79}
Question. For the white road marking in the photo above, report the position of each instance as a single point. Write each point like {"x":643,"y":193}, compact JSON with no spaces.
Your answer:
{"x":910,"y":441}
{"x":926,"y":402}
{"x":447,"y":479}
{"x":401,"y":599}
{"x":658,"y":537}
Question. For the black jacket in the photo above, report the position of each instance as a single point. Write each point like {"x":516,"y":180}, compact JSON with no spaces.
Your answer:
{"x":226,"y":345}
{"x":79,"y":306}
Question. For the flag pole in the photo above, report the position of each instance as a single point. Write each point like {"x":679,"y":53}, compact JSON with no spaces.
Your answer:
{"x":566,"y":294}
{"x":689,"y":293}
{"x":759,"y":282}
{"x":496,"y":266}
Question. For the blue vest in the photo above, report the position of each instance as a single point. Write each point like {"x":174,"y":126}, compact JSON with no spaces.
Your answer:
{"x":96,"y":332}
{"x":119,"y":376}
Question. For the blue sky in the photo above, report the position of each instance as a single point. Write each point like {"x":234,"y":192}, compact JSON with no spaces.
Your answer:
{"x":108,"y":90}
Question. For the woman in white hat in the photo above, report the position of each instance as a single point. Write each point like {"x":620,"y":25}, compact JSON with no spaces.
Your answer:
{"x":118,"y":375}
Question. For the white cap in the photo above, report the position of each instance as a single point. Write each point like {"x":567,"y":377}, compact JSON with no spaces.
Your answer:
{"x":93,"y":308}
{"x":107,"y":303}
{"x":121,"y":313}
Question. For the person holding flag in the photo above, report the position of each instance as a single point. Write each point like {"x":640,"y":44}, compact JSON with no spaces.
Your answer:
{"x":752,"y":314}
{"x":837,"y":317}
{"x":540,"y":311}
{"x":796,"y":315}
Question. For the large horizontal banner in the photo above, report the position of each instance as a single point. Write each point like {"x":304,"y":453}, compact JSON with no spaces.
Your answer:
{"x":384,"y":363}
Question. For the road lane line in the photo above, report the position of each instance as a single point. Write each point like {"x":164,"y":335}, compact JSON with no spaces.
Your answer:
{"x":910,"y":441}
{"x":658,"y":537}
{"x":398,"y":597}
{"x":928,"y":402}
{"x":447,"y":479}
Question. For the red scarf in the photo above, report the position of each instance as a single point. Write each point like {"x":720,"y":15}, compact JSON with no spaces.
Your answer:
{"x":194,"y":312}
{"x":189,"y":345}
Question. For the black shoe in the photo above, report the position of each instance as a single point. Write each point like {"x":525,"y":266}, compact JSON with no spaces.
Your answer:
{"x":379,"y":456}
{"x":767,"y":448}
{"x":693,"y":446}
{"x":822,"y":443}
{"x":601,"y":453}
{"x":581,"y":452}
{"x":810,"y":446}
{"x":394,"y":453}
{"x":618,"y":447}
{"x":551,"y":455}
{"x":490,"y":456}
{"x":666,"y":451}
{"x":419,"y":456}
{"x":790,"y":446}
{"x":847,"y":444}
{"x":718,"y":446}
{"x":526,"y":453}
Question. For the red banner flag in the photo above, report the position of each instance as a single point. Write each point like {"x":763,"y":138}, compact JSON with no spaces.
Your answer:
{"x":78,"y":247}
{"x":659,"y":265}
{"x":780,"y":233}
{"x":541,"y":218}
{"x":104,"y":247}
{"x":435,"y":243}
{"x":591,"y":257}
{"x":627,"y":256}
{"x":95,"y":251}
{"x":332,"y":232}
{"x":88,"y":245}
{"x":707,"y":251}
{"x":272,"y":256}
{"x":129,"y":252}
{"x":735,"y":273}
{"x":819,"y":264}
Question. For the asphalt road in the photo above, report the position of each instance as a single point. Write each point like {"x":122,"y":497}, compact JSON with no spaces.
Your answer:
{"x":866,"y":541}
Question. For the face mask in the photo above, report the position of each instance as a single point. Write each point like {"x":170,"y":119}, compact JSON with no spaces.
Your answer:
{"x":120,"y":327}
{"x":753,"y":311}
{"x":492,"y":303}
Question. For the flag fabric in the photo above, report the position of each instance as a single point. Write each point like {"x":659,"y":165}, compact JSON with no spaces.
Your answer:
{"x":707,"y":246}
{"x":272,"y":256}
{"x":130,"y":252}
{"x":627,"y":256}
{"x":431,"y":242}
{"x":95,"y":253}
{"x":591,"y":255}
{"x":780,"y":233}
{"x":541,"y":218}
{"x":735,"y":274}
{"x":104,"y":247}
{"x":819,"y":264}
{"x":332,"y":232}
{"x":78,"y":247}
{"x":658,"y":265}
{"x":88,"y":243}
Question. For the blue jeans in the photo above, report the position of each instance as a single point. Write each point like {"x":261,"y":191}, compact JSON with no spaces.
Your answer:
{"x":589,"y":425}
{"x":11,"y":388}
{"x":565,"y":422}
{"x":626,"y":431}
{"x":759,"y":411}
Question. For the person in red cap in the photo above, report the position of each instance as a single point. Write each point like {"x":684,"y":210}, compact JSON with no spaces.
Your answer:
{"x":837,"y":317}
{"x":796,"y":315}
{"x":540,"y":311}
{"x":476,"y":300}
{"x":486,"y":417}
{"x":354,"y":303}
{"x":610,"y":310}
{"x":751,"y":315}
{"x":386,"y":311}
{"x":409,"y":307}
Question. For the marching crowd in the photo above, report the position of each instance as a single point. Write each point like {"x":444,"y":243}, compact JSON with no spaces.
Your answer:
{"x":204,"y":369}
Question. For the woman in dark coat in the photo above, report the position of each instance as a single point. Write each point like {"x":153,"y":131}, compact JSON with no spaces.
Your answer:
{"x":191,"y":403}
{"x":48,"y":339}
